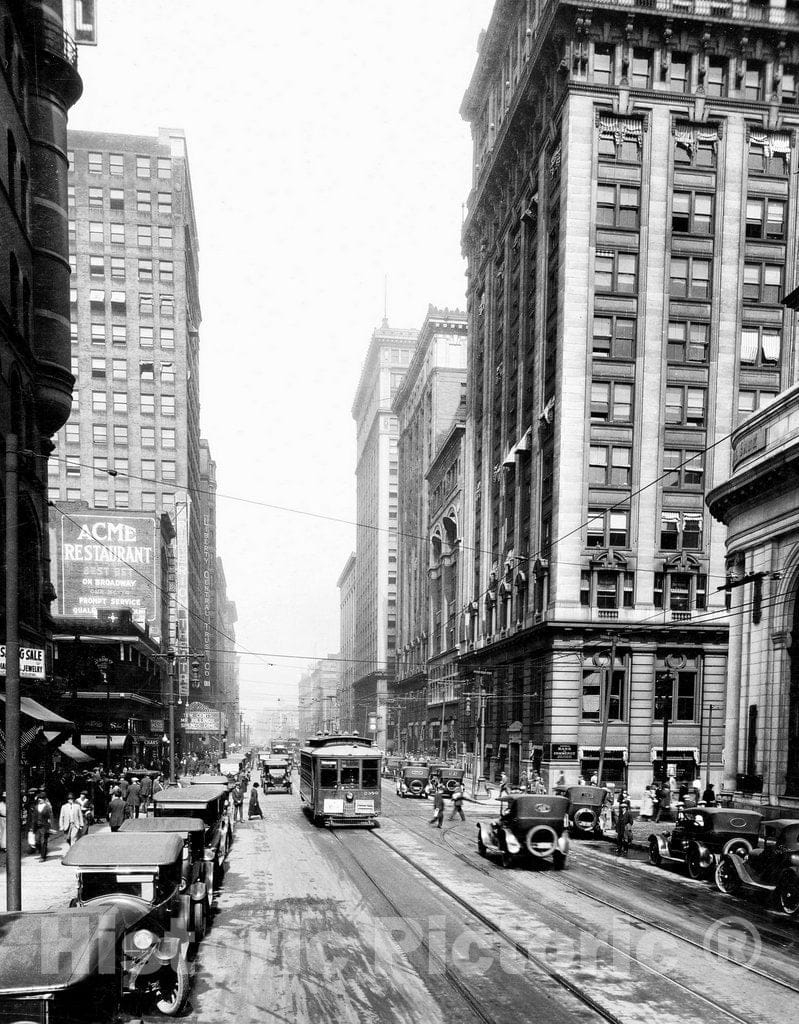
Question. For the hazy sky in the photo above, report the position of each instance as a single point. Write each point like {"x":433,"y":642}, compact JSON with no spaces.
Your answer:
{"x":326,"y":153}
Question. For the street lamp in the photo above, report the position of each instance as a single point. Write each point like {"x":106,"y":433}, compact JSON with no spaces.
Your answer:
{"x":104,"y":664}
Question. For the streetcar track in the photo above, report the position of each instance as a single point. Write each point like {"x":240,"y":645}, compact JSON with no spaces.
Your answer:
{"x":522,"y":890}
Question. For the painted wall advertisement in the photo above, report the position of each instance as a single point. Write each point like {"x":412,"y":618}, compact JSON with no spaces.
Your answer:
{"x":105,"y":561}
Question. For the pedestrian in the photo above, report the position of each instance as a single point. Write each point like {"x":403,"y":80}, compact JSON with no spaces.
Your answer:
{"x":123,"y":787}
{"x":647,"y":805}
{"x":709,"y":795}
{"x":116,"y":809}
{"x":595,"y":779}
{"x":438,"y":807}
{"x":158,"y":784}
{"x":524,"y":783}
{"x":3,"y":812}
{"x":457,"y":802}
{"x":133,"y":799}
{"x":146,"y":790}
{"x":624,"y":829}
{"x":41,"y":822}
{"x":503,"y":784}
{"x":538,"y":786}
{"x":70,"y":821}
{"x":238,"y":802}
{"x":560,"y":782}
{"x":88,"y":811}
{"x":254,"y":808}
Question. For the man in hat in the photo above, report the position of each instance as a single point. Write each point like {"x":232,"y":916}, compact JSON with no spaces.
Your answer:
{"x":70,"y":820}
{"x":116,"y":809}
{"x":41,"y":822}
{"x":146,"y":787}
{"x":624,"y":828}
{"x":133,"y":799}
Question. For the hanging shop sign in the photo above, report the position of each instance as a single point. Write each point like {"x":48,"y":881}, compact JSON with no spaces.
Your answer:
{"x":31,"y":662}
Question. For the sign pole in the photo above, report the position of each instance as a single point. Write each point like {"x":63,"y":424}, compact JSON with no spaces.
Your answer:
{"x":608,"y":674}
{"x":171,"y":705}
{"x":13,"y":773}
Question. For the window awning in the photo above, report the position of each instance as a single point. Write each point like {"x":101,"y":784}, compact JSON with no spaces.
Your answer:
{"x":71,"y":751}
{"x":99,"y":742}
{"x":33,"y":709}
{"x":592,"y":753}
{"x":677,"y":753}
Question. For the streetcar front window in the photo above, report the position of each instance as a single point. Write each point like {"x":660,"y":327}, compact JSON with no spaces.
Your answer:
{"x":350,"y":772}
{"x":328,"y":774}
{"x":371,"y":774}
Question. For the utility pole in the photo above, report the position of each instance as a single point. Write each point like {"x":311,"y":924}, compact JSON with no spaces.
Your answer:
{"x":709,"y":745}
{"x":479,"y":731}
{"x":13,"y":775}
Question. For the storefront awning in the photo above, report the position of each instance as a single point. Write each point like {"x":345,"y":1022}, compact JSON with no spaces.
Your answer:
{"x":592,"y":753}
{"x":677,"y":753}
{"x":99,"y":742}
{"x":33,"y":709}
{"x":71,"y":751}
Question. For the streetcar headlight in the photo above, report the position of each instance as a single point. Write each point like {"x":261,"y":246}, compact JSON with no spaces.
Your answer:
{"x":143,"y":939}
{"x":349,"y":796}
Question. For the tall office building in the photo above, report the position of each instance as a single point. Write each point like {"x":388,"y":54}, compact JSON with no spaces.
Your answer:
{"x":387,"y":359}
{"x":346,"y":587}
{"x":630,"y":226}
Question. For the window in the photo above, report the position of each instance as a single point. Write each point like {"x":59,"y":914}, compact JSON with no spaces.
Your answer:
{"x":71,"y":159}
{"x":616,"y":272}
{"x":687,"y":341}
{"x":98,"y":368}
{"x":146,"y":337}
{"x":73,"y":465}
{"x":148,"y":405}
{"x":71,"y":230}
{"x":689,"y":277}
{"x":119,"y":334}
{"x":167,"y":469}
{"x":609,"y":466}
{"x":608,"y":528}
{"x":96,"y":231}
{"x":120,"y":401}
{"x":143,"y":202}
{"x":692,"y":212}
{"x":145,"y":270}
{"x":165,"y":204}
{"x":97,"y":300}
{"x":145,"y":304}
{"x":685,"y":406}
{"x":608,"y":589}
{"x":148,"y":437}
{"x":73,"y":493}
{"x":164,"y":165}
{"x":167,"y":305}
{"x":617,"y":206}
{"x":99,"y":401}
{"x":167,"y":373}
{"x":73,"y":331}
{"x":167,"y":437}
{"x":716,"y":77}
{"x":148,"y":501}
{"x":765,"y":218}
{"x":594,"y":681}
{"x":101,"y":498}
{"x":765,"y":160}
{"x":680,"y":591}
{"x":788,"y":93}
{"x":641,"y":69}
{"x":167,"y":405}
{"x":611,"y":402}
{"x":95,"y":197}
{"x":120,"y":434}
{"x":681,"y":531}
{"x":603,"y":64}
{"x":70,"y":197}
{"x":148,"y":469}
{"x":119,"y":369}
{"x":165,"y":237}
{"x":754,"y":80}
{"x":121,"y":499}
{"x":100,"y":463}
{"x":142,"y":167}
{"x":680,"y":72}
{"x":121,"y":465}
{"x":683,"y":469}
{"x":116,"y":163}
{"x":762,"y":283}
{"x":167,"y":337}
{"x":117,"y":234}
{"x":96,"y":266}
{"x":760,"y":346}
{"x":95,"y":163}
{"x":165,"y":271}
{"x":144,"y":234}
{"x":752,"y":399}
{"x":72,"y":433}
{"x":98,"y":334}
{"x":118,"y":303}
{"x":73,"y":296}
{"x":678,"y":690}
{"x":146,"y":373}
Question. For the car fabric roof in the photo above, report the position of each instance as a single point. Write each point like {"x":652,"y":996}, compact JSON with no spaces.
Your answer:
{"x":165,"y":824}
{"x":191,"y":794}
{"x":108,"y":849}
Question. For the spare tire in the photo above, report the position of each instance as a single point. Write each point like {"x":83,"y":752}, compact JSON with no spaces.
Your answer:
{"x":451,"y":785}
{"x":585,"y":819}
{"x":541,"y":840}
{"x":415,"y":786}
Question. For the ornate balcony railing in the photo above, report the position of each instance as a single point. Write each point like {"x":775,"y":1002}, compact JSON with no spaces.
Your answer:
{"x":57,"y":42}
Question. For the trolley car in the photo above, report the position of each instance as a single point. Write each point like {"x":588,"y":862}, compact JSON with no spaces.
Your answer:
{"x":340,"y":780}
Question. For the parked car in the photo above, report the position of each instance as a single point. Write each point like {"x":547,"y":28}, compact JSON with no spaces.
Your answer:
{"x":413,"y":780}
{"x":585,"y":809}
{"x":772,"y":870}
{"x":703,"y":834}
{"x":209,"y":804}
{"x":276,"y":774}
{"x":197,"y":874}
{"x":450,"y":777}
{"x":528,"y":827}
{"x":391,"y":766}
{"x":138,"y":877}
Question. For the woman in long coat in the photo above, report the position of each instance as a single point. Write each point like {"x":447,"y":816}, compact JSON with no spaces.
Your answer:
{"x":254,"y":809}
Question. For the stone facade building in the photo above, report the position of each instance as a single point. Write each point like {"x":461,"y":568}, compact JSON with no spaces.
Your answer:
{"x":346,"y":587}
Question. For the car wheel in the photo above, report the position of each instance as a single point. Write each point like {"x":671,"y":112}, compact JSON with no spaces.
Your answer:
{"x":558,"y":860}
{"x":198,"y":921}
{"x":173,"y":988}
{"x":788,"y":893}
{"x":654,"y":853}
{"x":693,"y":863}
{"x":740,"y":847}
{"x":481,"y":846}
{"x":726,"y":878}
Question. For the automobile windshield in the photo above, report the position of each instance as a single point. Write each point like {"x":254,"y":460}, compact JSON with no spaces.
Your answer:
{"x":350,"y":772}
{"x":95,"y":886}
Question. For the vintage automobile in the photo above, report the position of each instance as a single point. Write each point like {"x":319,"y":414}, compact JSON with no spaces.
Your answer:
{"x":703,"y":834}
{"x":413,"y":780}
{"x":138,"y":878}
{"x":209,"y":804}
{"x":197,"y":874}
{"x":391,"y":766}
{"x":276,"y":774}
{"x":208,"y":779}
{"x":230,"y":767}
{"x":528,"y":828}
{"x":772,"y":870}
{"x":585,"y":809}
{"x":449,"y":777}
